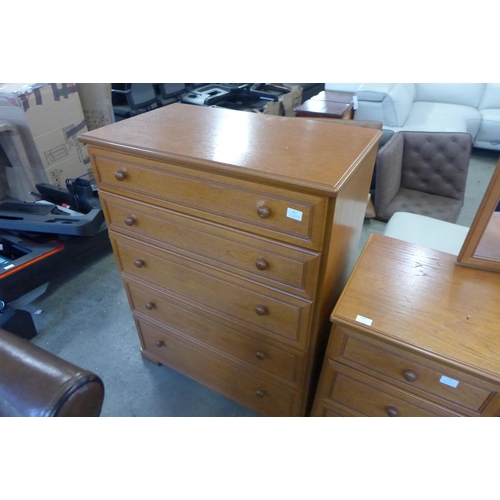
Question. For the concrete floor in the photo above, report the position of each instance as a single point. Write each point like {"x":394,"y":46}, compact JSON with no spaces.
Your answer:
{"x":84,"y":318}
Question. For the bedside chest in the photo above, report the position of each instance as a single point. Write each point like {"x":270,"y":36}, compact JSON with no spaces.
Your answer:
{"x":414,"y":334}
{"x":234,"y":233}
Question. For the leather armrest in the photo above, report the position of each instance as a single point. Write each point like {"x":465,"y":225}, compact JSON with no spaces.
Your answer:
{"x":36,"y":383}
{"x":389,"y":103}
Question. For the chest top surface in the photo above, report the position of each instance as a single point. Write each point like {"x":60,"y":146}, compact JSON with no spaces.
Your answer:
{"x":290,"y":150}
{"x":424,"y":298}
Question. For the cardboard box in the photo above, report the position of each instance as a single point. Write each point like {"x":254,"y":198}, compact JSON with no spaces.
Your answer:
{"x":49,"y":117}
{"x":292,"y":100}
{"x":287,"y":102}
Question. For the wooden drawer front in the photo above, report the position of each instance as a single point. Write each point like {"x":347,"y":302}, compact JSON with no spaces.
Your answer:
{"x":328,"y":412}
{"x":285,"y":316}
{"x":373,"y":398}
{"x":405,"y":368}
{"x":218,"y":199}
{"x":322,"y":409}
{"x":290,"y":269}
{"x":215,"y":333}
{"x":223,"y":376}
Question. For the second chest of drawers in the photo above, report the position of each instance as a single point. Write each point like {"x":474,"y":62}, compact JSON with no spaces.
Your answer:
{"x":416,"y":340}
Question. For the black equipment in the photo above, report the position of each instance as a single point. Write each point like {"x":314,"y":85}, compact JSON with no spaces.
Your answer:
{"x":37,"y":238}
{"x":237,"y":96}
{"x":17,"y":321}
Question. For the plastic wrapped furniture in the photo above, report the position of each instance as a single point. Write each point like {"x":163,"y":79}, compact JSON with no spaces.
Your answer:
{"x":36,"y":383}
{"x":423,"y":173}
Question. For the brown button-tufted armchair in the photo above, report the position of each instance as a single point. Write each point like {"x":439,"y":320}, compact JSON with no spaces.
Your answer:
{"x":423,"y":173}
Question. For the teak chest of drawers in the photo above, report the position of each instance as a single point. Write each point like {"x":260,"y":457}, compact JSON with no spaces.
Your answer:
{"x":414,"y":334}
{"x":234,"y":233}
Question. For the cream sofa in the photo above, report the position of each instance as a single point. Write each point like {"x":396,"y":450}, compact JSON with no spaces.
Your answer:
{"x":435,"y":107}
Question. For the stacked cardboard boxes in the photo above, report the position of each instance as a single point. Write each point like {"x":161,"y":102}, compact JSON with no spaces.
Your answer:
{"x":49,"y":119}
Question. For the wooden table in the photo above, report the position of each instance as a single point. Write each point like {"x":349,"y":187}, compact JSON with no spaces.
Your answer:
{"x":414,"y":334}
{"x":328,"y":104}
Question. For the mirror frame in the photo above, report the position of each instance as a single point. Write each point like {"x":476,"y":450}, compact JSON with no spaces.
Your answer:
{"x":481,"y":248}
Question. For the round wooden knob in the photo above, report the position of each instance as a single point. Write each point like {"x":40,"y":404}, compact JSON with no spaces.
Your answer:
{"x":259,"y":393}
{"x":260,"y":355}
{"x":139,"y":262}
{"x":261,"y":264}
{"x":392,"y":411}
{"x":261,"y":310}
{"x":159,"y":343}
{"x":130,"y":220}
{"x":263,"y":211}
{"x":150,"y":306}
{"x":120,"y":175}
{"x":410,"y":375}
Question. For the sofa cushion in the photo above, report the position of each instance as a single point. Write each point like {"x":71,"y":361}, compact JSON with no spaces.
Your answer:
{"x":491,"y":97}
{"x":465,"y":94}
{"x":416,"y":202}
{"x":437,"y":117}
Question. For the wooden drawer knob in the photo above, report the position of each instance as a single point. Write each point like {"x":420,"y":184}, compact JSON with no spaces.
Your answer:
{"x":120,"y":175}
{"x":392,"y":411}
{"x":130,"y":220}
{"x":150,"y":306}
{"x":139,"y":262}
{"x":410,"y":375}
{"x":263,"y":211}
{"x":261,"y":264}
{"x":260,"y":355}
{"x":159,"y":343}
{"x":261,"y":310}
{"x":259,"y":393}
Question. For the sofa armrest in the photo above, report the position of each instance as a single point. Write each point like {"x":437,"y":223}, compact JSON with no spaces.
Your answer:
{"x":388,"y":168}
{"x":37,"y":383}
{"x":389,"y":103}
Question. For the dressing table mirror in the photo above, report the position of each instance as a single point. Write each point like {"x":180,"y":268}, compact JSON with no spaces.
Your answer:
{"x":481,"y":247}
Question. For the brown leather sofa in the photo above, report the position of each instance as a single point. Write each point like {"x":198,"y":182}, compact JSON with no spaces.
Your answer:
{"x":36,"y":383}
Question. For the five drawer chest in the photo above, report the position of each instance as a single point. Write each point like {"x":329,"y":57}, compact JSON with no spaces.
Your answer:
{"x":234,"y":233}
